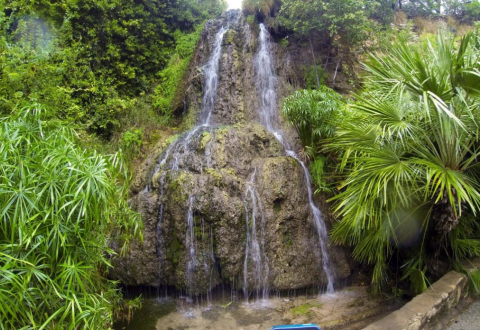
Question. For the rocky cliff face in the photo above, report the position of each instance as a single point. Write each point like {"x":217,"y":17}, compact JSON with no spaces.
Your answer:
{"x":223,"y":203}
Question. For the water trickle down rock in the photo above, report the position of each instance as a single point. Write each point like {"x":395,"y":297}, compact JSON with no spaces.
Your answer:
{"x":214,"y":163}
{"x":268,"y":117}
{"x":256,"y":264}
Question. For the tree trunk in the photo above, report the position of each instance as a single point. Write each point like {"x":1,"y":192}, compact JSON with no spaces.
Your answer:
{"x":336,"y":70}
{"x":445,"y":216}
{"x":314,"y":62}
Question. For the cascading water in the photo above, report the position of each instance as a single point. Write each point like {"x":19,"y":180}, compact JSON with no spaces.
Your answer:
{"x":254,"y":247}
{"x":181,"y":149}
{"x":211,"y":79}
{"x":266,"y":83}
{"x":223,"y":196}
{"x":190,"y":245}
{"x":210,"y":70}
{"x":268,"y":117}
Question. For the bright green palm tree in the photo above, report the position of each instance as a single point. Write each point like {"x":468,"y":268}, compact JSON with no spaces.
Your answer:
{"x":410,"y":158}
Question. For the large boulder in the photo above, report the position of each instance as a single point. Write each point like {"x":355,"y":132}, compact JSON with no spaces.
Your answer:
{"x":223,"y":203}
{"x":217,"y":199}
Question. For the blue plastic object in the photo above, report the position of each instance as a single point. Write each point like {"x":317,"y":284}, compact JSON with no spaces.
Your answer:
{"x":309,"y":326}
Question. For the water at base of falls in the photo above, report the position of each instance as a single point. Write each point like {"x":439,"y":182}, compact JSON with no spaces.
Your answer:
{"x":269,"y":118}
{"x":175,"y":313}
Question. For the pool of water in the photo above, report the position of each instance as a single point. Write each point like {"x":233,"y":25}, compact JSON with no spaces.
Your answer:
{"x":230,"y":312}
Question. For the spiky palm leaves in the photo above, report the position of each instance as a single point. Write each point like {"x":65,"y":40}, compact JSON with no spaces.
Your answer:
{"x":314,"y":114}
{"x":59,"y":207}
{"x":410,"y":155}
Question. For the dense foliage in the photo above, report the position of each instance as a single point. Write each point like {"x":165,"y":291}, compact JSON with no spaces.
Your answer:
{"x":89,"y":60}
{"x":315,"y":115}
{"x":342,"y":21}
{"x":167,"y":99}
{"x":60,"y":206}
{"x":410,"y":155}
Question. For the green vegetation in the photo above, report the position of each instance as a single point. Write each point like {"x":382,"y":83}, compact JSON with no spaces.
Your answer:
{"x":410,"y":160}
{"x":90,"y":61}
{"x":61,"y":207}
{"x":131,"y":141}
{"x":405,"y":152}
{"x":166,"y":97}
{"x":314,"y":113}
{"x":303,"y":309}
{"x":342,"y":21}
{"x":263,"y":7}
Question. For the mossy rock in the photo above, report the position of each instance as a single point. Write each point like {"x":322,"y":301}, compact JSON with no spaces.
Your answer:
{"x":215,"y":175}
{"x":206,"y":138}
{"x":175,"y":250}
{"x":303,"y":309}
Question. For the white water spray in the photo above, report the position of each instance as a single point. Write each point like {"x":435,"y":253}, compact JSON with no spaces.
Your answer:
{"x":268,"y":117}
{"x":254,"y":255}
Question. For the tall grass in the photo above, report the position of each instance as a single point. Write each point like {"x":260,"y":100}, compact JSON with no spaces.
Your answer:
{"x":60,"y":206}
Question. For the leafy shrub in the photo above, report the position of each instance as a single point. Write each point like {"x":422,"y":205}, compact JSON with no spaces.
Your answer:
{"x":314,"y":114}
{"x":382,"y":11}
{"x":343,"y":22}
{"x":263,"y":7}
{"x":131,"y":141}
{"x":171,"y":78}
{"x":310,"y":76}
{"x":60,"y":206}
{"x":471,"y":11}
{"x":410,"y":156}
{"x":318,"y":168}
{"x":88,"y":60}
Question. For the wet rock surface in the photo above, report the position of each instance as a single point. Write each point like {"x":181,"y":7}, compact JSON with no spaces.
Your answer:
{"x":200,"y":217}
{"x":348,"y":309}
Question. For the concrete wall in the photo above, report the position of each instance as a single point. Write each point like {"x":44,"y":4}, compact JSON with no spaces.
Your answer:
{"x":427,"y":310}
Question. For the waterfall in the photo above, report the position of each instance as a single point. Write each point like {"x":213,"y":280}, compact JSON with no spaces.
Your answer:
{"x":254,"y":247}
{"x":186,"y":168}
{"x":172,"y":161}
{"x":210,"y":70}
{"x":211,"y":79}
{"x":268,"y":117}
{"x":266,"y":83}
{"x":190,"y":246}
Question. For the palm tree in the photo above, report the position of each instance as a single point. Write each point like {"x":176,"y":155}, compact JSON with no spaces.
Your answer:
{"x":410,"y":159}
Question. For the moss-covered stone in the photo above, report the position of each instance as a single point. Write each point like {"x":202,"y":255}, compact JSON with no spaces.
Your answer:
{"x":175,"y":250}
{"x":214,"y":169}
{"x":229,"y":37}
{"x":216,"y":176}
{"x":206,"y":138}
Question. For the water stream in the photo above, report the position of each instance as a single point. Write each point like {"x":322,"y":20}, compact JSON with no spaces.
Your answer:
{"x":201,"y":258}
{"x":255,"y":245}
{"x":190,"y":245}
{"x":211,"y":79}
{"x":268,"y":117}
{"x":172,"y":162}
